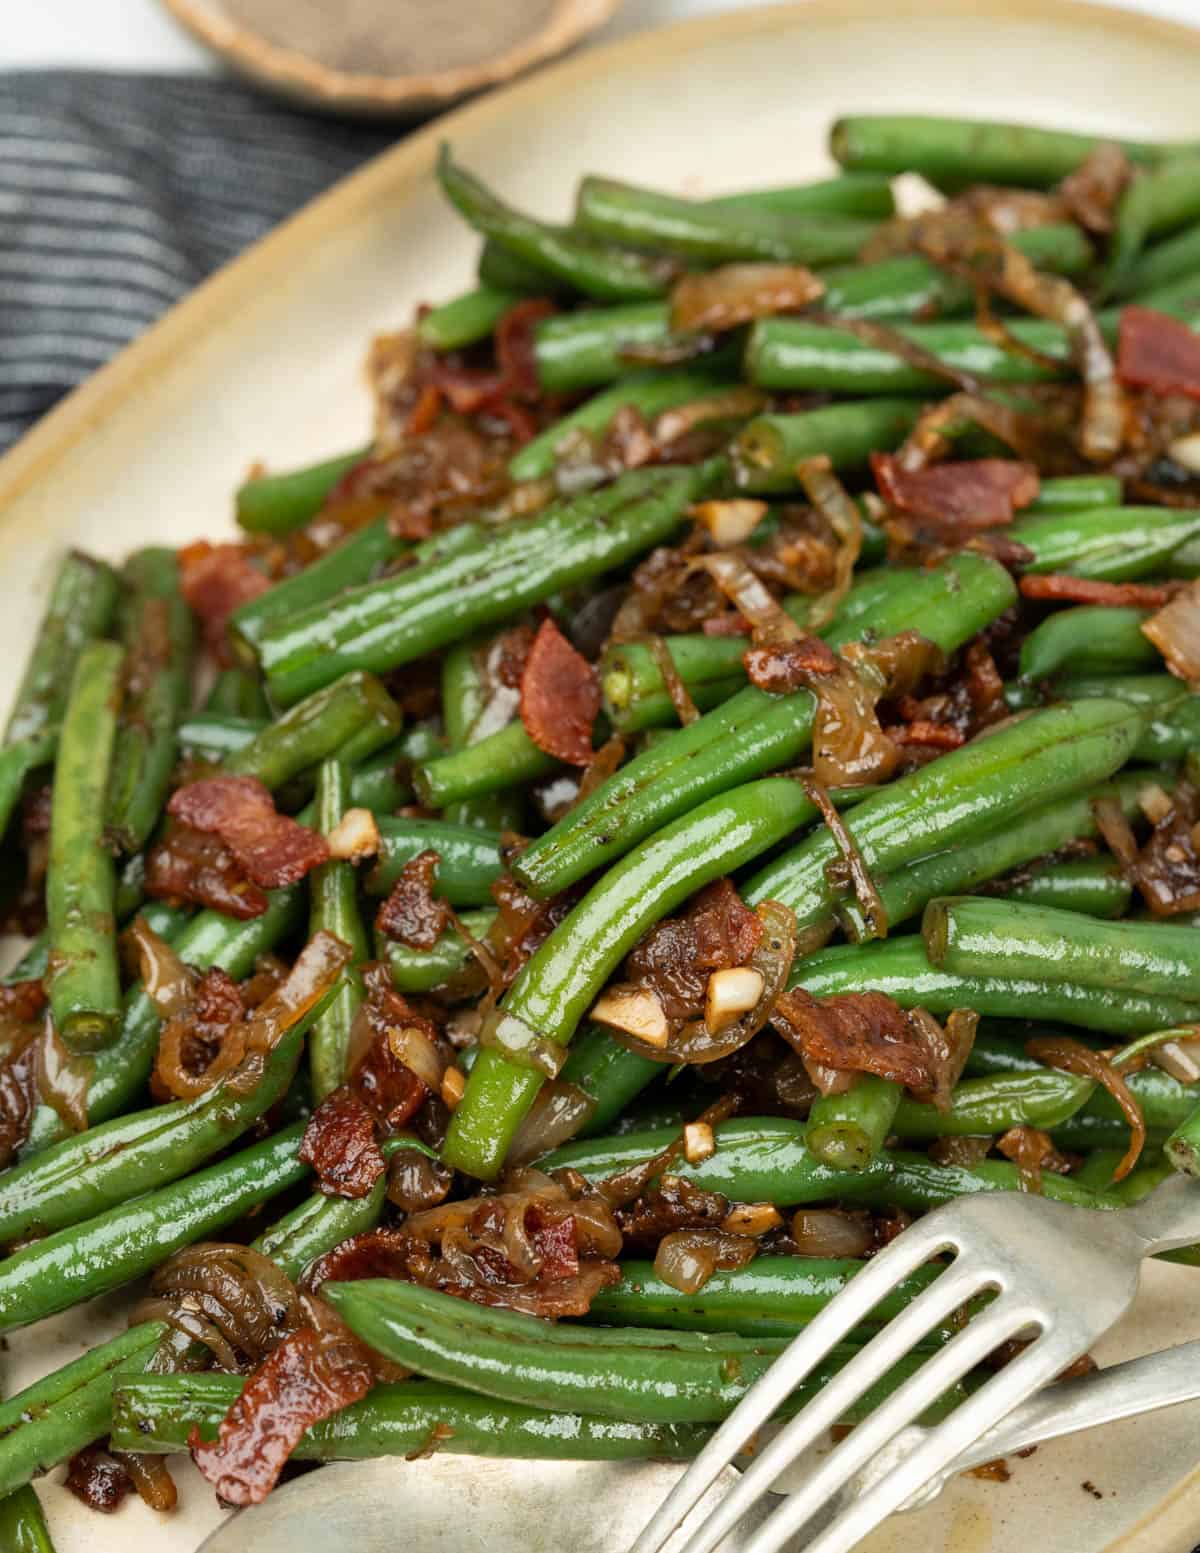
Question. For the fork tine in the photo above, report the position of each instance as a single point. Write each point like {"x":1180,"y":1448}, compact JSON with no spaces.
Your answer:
{"x":896,"y":1339}
{"x":1003,"y":1319}
{"x":1019,"y":1379}
{"x":917,"y":1245}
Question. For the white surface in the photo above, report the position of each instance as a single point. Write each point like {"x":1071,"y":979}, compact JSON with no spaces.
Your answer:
{"x":139,"y":35}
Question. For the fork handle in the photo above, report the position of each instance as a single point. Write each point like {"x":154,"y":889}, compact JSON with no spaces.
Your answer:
{"x":1168,"y":1218}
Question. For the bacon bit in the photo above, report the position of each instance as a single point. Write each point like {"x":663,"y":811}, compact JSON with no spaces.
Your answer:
{"x":1030,"y":1149}
{"x":862,"y":1032}
{"x":1175,"y":631}
{"x":22,"y":1001}
{"x":521,"y":925}
{"x":18,"y":1096}
{"x":1092,"y":191}
{"x":189,"y":866}
{"x":1072,"y":1056}
{"x":425,"y":412}
{"x":1158,"y":352}
{"x":274,"y":850}
{"x":215,"y":580}
{"x":389,"y":1088}
{"x":98,"y":1479}
{"x":921,"y":731}
{"x":785,"y":666}
{"x":676,"y":958}
{"x":948,"y":1050}
{"x":515,"y":346}
{"x":672,"y":1205}
{"x":1058,"y":587}
{"x":339,"y":1143}
{"x":310,"y":1376}
{"x":411,"y":914}
{"x":736,"y":294}
{"x":1167,"y":869}
{"x":957,"y":499}
{"x":560,"y":697}
{"x":726,"y":625}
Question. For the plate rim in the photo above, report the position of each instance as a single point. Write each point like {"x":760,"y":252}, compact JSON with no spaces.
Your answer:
{"x":398,"y":169}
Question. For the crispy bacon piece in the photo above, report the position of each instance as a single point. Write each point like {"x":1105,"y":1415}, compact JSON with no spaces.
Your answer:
{"x":18,"y":1097}
{"x":22,"y":1001}
{"x":1032,"y":1151}
{"x":98,"y":1479}
{"x":412,"y":914}
{"x":216,"y":580}
{"x":676,"y":958}
{"x":560,"y":696}
{"x":310,"y":1376}
{"x":273,"y":849}
{"x":1167,"y":869}
{"x":957,"y":499}
{"x":339,"y":1143}
{"x":187,"y":865}
{"x":377,"y":1253}
{"x":389,"y":1088}
{"x":522,"y":924}
{"x":1060,"y":588}
{"x":674,"y":1204}
{"x":514,"y":343}
{"x":867,"y":1032}
{"x":784,"y":666}
{"x":1158,"y":352}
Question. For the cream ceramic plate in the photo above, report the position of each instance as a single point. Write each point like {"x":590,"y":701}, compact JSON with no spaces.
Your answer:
{"x":264,"y":362}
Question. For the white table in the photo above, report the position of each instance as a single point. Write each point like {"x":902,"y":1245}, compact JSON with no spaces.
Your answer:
{"x":140,"y":35}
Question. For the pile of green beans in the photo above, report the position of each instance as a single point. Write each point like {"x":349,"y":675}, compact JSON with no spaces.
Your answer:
{"x":633,"y":526}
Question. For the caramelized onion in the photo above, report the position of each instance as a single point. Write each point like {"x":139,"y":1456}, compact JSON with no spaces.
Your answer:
{"x":316,"y":970}
{"x":152,"y":1479}
{"x":168,"y":982}
{"x":416,"y":1182}
{"x":735,"y":294}
{"x":687,"y":1259}
{"x":410,"y":1045}
{"x":832,"y":501}
{"x":832,"y":1232}
{"x":1175,"y":631}
{"x":769,"y":621}
{"x":558,"y":1112}
{"x":1062,"y":1051}
{"x":230,"y":1297}
{"x":62,"y":1079}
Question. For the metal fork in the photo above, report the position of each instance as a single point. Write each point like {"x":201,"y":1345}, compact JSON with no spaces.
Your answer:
{"x":1061,"y":1276}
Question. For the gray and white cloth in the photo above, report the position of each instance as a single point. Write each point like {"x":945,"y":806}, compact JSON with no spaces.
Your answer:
{"x":119,"y":193}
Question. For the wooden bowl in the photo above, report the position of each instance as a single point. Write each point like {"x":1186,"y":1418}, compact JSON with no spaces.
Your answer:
{"x":291,"y":72}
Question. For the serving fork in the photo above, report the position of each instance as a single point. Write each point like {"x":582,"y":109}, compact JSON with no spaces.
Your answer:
{"x":1060,"y":1276}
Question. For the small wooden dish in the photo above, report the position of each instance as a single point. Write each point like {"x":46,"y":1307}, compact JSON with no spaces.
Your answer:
{"x":290,"y":72}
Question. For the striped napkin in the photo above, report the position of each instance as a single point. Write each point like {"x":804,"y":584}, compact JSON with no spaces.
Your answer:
{"x":119,"y":193}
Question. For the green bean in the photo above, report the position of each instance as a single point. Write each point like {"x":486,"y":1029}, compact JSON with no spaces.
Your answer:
{"x":120,"y":1072}
{"x":499,"y":572}
{"x":1183,"y":1146}
{"x":237,"y":693}
{"x":635,"y":696}
{"x":65,"y":1410}
{"x":558,"y":984}
{"x":1076,"y":493}
{"x":965,"y":793}
{"x":961,"y":151}
{"x":83,"y":982}
{"x":358,"y":559}
{"x":156,"y":1413}
{"x":847,"y":1131}
{"x":1171,"y":715}
{"x":424,"y":970}
{"x":469,"y":859}
{"x":216,"y":736}
{"x":504,"y":759}
{"x":775,"y":1296}
{"x":1160,"y":200}
{"x":978,"y":936}
{"x":1176,"y":259}
{"x":466,"y":716}
{"x":333,"y":908}
{"x":899,"y":967}
{"x":465,"y":319}
{"x":384,"y":782}
{"x":766,"y":452}
{"x":648,"y":393}
{"x":753,"y":731}
{"x":1093,"y":886}
{"x":798,"y":355}
{"x":1096,"y":637}
{"x":694,"y":230}
{"x":598,"y":269}
{"x":23,"y":1527}
{"x":992,"y":1105}
{"x":958,"y":869}
{"x":159,"y":641}
{"x":620,"y":1372}
{"x":849,"y":194}
{"x":82,"y":600}
{"x":352,"y":718}
{"x":279,"y":504}
{"x":608,"y":1073}
{"x":1115,"y":544}
{"x":910,"y":286}
{"x":130,"y":1239}
{"x":764,"y":1159}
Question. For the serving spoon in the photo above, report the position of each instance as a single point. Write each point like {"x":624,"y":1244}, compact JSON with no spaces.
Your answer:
{"x":482,"y":1505}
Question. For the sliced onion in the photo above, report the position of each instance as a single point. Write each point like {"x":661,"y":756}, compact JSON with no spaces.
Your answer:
{"x":633,"y":1011}
{"x":735,"y":404}
{"x":318,"y":967}
{"x":832,"y":501}
{"x":354,"y":837}
{"x":753,"y":1219}
{"x":730,"y":994}
{"x":412,"y":1047}
{"x":1175,"y":631}
{"x":832,"y":1232}
{"x":169,"y":983}
{"x":681,"y":699}
{"x":768,"y":619}
{"x":1181,"y":1059}
{"x":688,"y":1258}
{"x":152,"y":1479}
{"x":735,"y":294}
{"x":729,"y":522}
{"x":558,"y":1112}
{"x":1062,"y":1051}
{"x":62,"y":1079}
